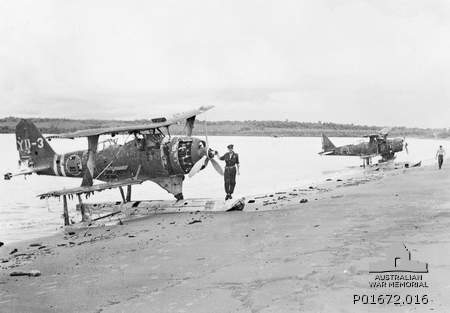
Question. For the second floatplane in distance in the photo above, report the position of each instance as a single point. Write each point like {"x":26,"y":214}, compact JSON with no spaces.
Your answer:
{"x":378,"y":145}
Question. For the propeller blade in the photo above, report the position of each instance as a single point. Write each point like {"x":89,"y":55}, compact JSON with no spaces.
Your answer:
{"x":190,"y":126}
{"x":206,"y":136}
{"x":203,"y":162}
{"x":198,"y":166}
{"x":217,"y":166}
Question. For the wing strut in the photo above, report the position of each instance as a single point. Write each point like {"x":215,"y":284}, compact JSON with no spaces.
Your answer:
{"x":90,"y":162}
{"x":128,"y":193}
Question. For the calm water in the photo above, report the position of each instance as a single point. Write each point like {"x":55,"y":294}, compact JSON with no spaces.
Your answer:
{"x":267,"y":164}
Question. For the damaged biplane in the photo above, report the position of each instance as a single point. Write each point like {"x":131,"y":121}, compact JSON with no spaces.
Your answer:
{"x":153,"y":154}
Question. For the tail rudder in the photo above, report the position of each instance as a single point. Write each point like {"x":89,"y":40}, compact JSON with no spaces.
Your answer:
{"x":327,"y":145}
{"x":34,"y":150}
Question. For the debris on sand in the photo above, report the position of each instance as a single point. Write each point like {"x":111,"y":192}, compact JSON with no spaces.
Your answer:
{"x":238,"y":206}
{"x":35,"y":245}
{"x":32,"y":273}
{"x":14,"y":251}
{"x":1,"y":243}
{"x":303,"y":200}
{"x":194,"y":221}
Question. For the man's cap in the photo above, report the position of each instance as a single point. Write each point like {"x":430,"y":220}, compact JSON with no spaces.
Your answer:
{"x":230,"y":146}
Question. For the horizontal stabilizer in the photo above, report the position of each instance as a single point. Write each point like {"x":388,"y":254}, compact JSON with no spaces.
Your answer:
{"x":326,"y":152}
{"x":27,"y":171}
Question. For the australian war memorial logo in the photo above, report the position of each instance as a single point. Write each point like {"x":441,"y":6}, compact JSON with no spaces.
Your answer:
{"x":398,"y":270}
{"x":396,"y":280}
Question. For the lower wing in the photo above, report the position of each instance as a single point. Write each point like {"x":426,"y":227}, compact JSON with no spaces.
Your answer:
{"x":368,"y":156}
{"x":91,"y":189}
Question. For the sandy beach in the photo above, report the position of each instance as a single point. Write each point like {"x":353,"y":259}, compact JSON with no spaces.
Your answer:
{"x":305,"y":257}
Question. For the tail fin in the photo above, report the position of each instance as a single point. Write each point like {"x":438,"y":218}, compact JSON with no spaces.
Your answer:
{"x":327,"y":145}
{"x":33,"y":148}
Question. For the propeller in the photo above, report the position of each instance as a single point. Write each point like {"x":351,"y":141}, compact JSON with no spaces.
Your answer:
{"x":203,"y":162}
{"x":198,"y":166}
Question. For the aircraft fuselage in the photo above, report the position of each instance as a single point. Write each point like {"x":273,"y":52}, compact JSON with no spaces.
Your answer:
{"x":139,"y":158}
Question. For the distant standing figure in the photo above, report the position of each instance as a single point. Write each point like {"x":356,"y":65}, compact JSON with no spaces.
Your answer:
{"x":231,"y":168}
{"x":440,"y":156}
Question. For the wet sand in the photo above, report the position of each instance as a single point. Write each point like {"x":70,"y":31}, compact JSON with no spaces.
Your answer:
{"x":305,"y":257}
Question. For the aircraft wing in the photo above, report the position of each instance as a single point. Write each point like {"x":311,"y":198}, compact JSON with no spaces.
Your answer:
{"x":368,"y":156}
{"x":91,"y":189}
{"x":153,"y":124}
{"x":383,"y":132}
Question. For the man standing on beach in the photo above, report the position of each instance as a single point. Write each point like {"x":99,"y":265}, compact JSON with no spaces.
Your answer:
{"x":231,"y":168}
{"x":440,"y":156}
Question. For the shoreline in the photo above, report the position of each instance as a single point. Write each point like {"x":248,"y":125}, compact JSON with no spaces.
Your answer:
{"x":327,"y":182}
{"x":307,"y":257}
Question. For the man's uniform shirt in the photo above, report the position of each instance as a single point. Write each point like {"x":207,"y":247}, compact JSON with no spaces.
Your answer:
{"x":230,"y":158}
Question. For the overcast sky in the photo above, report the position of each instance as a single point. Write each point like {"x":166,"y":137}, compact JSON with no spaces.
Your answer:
{"x":380,"y":62}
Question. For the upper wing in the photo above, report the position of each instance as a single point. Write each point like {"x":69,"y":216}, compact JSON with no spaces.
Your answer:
{"x":91,"y":189}
{"x":383,"y":132}
{"x":155,"y":123}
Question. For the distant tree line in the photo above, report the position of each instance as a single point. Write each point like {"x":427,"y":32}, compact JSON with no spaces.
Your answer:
{"x":234,"y":128}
